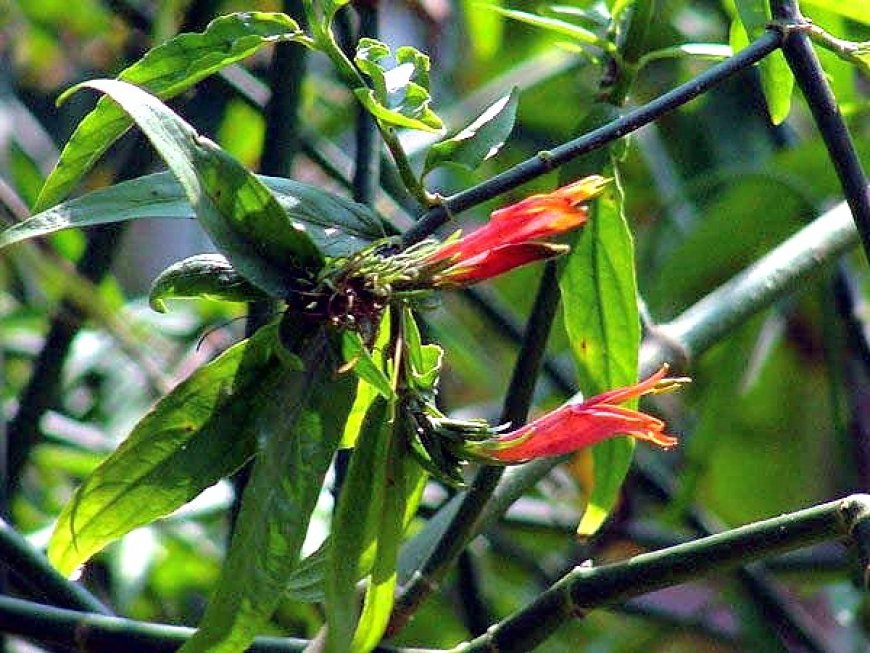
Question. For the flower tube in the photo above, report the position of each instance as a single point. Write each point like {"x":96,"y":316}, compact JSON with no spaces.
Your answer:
{"x":577,"y":425}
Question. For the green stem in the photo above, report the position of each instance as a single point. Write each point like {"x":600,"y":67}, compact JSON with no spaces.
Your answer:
{"x":755,"y":288}
{"x":463,"y":523}
{"x":588,"y":588}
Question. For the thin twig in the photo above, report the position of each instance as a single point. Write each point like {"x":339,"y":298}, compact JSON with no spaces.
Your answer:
{"x":550,"y":160}
{"x":810,"y":77}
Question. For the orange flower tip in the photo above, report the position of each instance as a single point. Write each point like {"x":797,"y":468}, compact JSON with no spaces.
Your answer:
{"x":664,"y":441}
{"x":584,"y":189}
{"x":670,"y":384}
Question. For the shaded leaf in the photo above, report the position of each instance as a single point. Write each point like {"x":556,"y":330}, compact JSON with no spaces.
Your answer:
{"x":480,"y":140}
{"x":300,"y":423}
{"x":166,"y":71}
{"x":204,"y":275}
{"x":599,"y":298}
{"x":194,"y":436}
{"x":337,"y":225}
{"x":241,"y":216}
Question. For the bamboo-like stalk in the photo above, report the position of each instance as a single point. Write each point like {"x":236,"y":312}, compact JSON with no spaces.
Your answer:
{"x":588,"y":587}
{"x":34,"y":568}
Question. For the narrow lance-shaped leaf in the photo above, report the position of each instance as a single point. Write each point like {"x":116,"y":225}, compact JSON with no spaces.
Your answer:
{"x":355,"y":524}
{"x":299,"y":423}
{"x":241,"y":216}
{"x":166,"y":71}
{"x":337,"y":225}
{"x":197,"y":434}
{"x":599,"y":293}
{"x":403,"y":491}
{"x":777,"y":80}
{"x":480,"y":140}
{"x":366,"y":393}
{"x":554,"y":25}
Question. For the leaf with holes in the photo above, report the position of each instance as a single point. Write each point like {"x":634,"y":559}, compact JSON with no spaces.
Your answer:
{"x":480,"y":140}
{"x":400,"y":95}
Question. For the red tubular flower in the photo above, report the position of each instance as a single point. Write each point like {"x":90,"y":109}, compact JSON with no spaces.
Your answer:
{"x":513,"y":236}
{"x":574,"y":426}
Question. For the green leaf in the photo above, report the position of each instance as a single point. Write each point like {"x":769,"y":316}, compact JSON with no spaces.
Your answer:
{"x":599,"y":299}
{"x":485,"y":29}
{"x":337,"y":225}
{"x":166,"y":71}
{"x":365,"y":392}
{"x":355,"y":524}
{"x":777,"y":80}
{"x":356,"y":355}
{"x":857,"y":11}
{"x":400,"y":95}
{"x":402,"y":489}
{"x":204,"y":275}
{"x":480,"y":140}
{"x":194,"y":436}
{"x":424,"y":361}
{"x":243,"y":219}
{"x":300,"y":421}
{"x":554,"y":25}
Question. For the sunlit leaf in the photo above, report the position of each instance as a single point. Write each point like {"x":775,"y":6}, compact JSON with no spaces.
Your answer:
{"x":402,"y":493}
{"x":243,"y":219}
{"x":555,"y":25}
{"x":599,"y":298}
{"x":366,"y":392}
{"x":480,"y":140}
{"x":338,"y":226}
{"x":194,"y":436}
{"x":355,"y":525}
{"x":166,"y":71}
{"x":857,"y":11}
{"x":777,"y":80}
{"x":356,"y":355}
{"x":301,"y":420}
